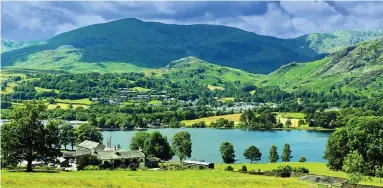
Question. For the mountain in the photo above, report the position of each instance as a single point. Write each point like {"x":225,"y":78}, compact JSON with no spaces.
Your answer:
{"x":194,"y":69}
{"x":331,"y":42}
{"x":133,"y":45}
{"x":358,"y":68}
{"x":9,"y":45}
{"x":154,"y":45}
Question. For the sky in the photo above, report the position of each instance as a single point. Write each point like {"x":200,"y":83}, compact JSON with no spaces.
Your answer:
{"x":43,"y":20}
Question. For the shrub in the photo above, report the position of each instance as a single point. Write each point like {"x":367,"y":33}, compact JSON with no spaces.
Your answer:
{"x":91,"y":167}
{"x":229,"y":168}
{"x":244,"y":168}
{"x":281,"y":171}
{"x":301,"y":169}
{"x":302,"y":159}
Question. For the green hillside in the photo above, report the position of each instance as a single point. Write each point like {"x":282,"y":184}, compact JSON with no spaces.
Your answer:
{"x":192,"y":68}
{"x":9,"y":45}
{"x":331,"y":42}
{"x":154,"y":45}
{"x":357,"y":69}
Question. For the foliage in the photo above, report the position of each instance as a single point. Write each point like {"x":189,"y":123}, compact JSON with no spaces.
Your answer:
{"x":88,"y":132}
{"x":253,"y":154}
{"x":182,"y":145}
{"x":137,"y":142}
{"x":273,"y":154}
{"x":24,"y":137}
{"x":229,"y":168}
{"x":227,"y":152}
{"x":286,"y":153}
{"x":222,"y":123}
{"x":244,"y":168}
{"x":83,"y":161}
{"x":157,"y":145}
{"x":302,"y":159}
{"x":67,"y":135}
{"x":360,"y":139}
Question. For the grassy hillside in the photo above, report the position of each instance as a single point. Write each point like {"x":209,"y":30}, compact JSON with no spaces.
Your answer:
{"x":9,"y":45}
{"x":356,"y":69}
{"x":192,"y":68}
{"x":154,"y":45}
{"x":331,"y":42}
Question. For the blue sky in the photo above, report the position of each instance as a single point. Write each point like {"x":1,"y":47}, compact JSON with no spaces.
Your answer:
{"x":41,"y":20}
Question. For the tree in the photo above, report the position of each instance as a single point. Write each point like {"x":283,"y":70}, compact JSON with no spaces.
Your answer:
{"x":362,"y":134}
{"x":288,"y":123}
{"x":227,"y":152}
{"x":23,"y":138}
{"x":182,"y":145}
{"x":355,"y":166}
{"x":253,"y":154}
{"x":52,"y":139}
{"x":286,"y":153}
{"x":302,"y":159}
{"x":137,"y":142}
{"x":158,"y":146}
{"x":273,"y":154}
{"x":88,"y":132}
{"x":66,"y":134}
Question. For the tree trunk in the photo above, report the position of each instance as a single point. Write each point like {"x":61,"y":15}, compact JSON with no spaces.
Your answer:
{"x":72,"y":147}
{"x":65,"y":146}
{"x":29,"y":165}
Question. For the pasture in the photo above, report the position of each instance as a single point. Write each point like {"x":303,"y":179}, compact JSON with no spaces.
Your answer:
{"x":208,"y":120}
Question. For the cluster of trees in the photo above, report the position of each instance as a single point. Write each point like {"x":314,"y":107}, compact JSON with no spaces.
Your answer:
{"x":265,"y":120}
{"x":26,"y":138}
{"x":155,"y":144}
{"x":254,"y":154}
{"x":357,"y":147}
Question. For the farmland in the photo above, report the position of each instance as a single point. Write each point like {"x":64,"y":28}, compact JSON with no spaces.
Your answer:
{"x":208,"y":120}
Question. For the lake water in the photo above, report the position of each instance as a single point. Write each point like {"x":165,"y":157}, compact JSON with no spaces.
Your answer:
{"x":206,"y":142}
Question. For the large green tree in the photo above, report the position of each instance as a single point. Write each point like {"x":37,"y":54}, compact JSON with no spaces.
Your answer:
{"x":24,"y":138}
{"x":67,"y":136}
{"x":182,"y":145}
{"x":361,"y":134}
{"x":227,"y":152}
{"x":88,"y":132}
{"x":138,"y":140}
{"x":273,"y":154}
{"x":286,"y":153}
{"x":157,"y":145}
{"x":253,"y":154}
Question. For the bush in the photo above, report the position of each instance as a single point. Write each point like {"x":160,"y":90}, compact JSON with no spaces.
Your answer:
{"x":281,"y":171}
{"x":244,"y":168}
{"x":302,"y":159}
{"x":301,"y":169}
{"x":91,"y":167}
{"x":229,"y":168}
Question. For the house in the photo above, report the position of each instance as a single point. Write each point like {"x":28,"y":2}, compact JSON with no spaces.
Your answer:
{"x":108,"y":156}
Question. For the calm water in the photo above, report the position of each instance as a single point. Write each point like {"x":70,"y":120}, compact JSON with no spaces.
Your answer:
{"x":206,"y":142}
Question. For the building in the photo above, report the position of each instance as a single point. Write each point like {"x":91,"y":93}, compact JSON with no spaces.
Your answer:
{"x":198,"y":163}
{"x":108,"y":156}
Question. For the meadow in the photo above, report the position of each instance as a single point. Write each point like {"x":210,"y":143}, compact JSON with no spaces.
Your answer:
{"x":208,"y":120}
{"x":187,"y":178}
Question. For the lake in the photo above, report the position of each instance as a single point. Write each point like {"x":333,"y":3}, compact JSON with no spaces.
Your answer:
{"x":206,"y":142}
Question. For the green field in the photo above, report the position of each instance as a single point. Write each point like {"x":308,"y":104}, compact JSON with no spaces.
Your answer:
{"x":208,"y":120}
{"x":84,"y":101}
{"x":187,"y":178}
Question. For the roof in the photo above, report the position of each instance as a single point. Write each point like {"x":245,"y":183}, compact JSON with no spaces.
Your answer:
{"x":89,"y":144}
{"x":119,"y":154}
{"x":153,"y":159}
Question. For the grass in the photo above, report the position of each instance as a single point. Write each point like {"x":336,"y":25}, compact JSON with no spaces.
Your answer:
{"x":65,"y":106}
{"x":140,"y":89}
{"x":208,"y":120}
{"x":40,"y":90}
{"x":227,"y":99}
{"x":155,"y":102}
{"x":84,"y":101}
{"x":215,"y":87}
{"x":187,"y":178}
